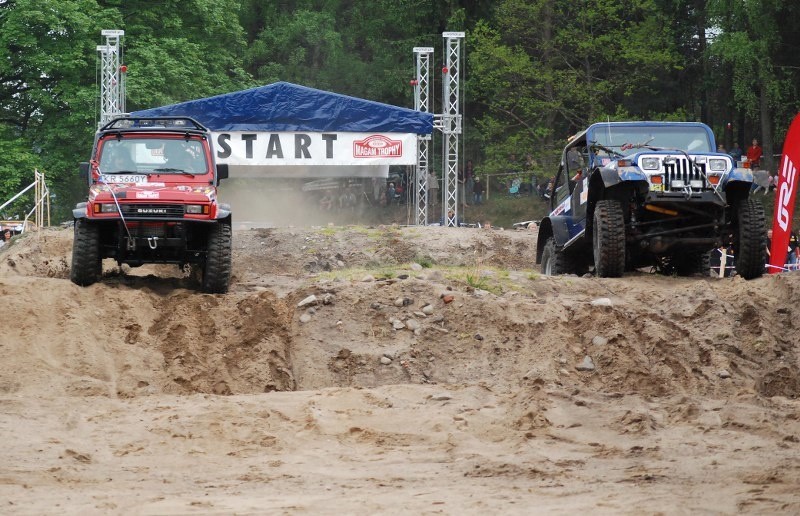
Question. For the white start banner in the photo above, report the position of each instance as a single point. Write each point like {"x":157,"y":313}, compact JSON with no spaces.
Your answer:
{"x":262,"y":149}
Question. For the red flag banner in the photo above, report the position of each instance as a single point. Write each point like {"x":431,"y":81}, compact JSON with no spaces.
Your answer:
{"x":784,"y":198}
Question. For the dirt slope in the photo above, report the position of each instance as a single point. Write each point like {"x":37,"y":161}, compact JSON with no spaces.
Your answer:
{"x":433,"y":371}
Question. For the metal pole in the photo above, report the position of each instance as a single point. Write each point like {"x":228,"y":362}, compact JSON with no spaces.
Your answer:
{"x":421,"y":95}
{"x":451,"y":125}
{"x":112,"y":93}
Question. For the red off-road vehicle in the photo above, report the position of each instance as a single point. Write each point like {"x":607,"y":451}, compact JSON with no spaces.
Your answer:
{"x":153,"y":199}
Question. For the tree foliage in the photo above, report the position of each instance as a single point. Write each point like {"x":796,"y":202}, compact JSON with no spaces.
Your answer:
{"x":535,"y":71}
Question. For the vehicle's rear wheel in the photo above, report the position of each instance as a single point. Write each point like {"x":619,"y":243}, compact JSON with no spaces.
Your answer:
{"x":87,"y":266}
{"x":749,"y":239}
{"x":217,"y":269}
{"x":554,"y":262}
{"x":608,"y":239}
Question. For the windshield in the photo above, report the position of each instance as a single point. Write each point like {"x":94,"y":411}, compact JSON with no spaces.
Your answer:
{"x":152,"y":155}
{"x":687,"y":138}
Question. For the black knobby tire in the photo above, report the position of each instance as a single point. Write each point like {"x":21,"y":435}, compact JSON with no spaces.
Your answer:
{"x":749,"y":239}
{"x":87,"y":266}
{"x":554,"y":262}
{"x":608,"y":239}
{"x":217,"y":269}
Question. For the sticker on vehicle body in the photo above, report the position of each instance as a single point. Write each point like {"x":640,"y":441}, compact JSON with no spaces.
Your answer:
{"x":122,"y":178}
{"x":564,"y":206}
{"x":656,"y":187}
{"x":147,"y":195}
{"x":585,"y":191}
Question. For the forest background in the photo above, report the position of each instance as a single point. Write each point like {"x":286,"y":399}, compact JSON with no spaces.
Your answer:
{"x":534,"y":71}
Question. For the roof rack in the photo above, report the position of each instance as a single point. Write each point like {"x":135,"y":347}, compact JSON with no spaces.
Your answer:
{"x":174,"y":123}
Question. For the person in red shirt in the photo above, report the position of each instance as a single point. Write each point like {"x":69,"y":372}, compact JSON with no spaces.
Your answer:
{"x":754,"y":154}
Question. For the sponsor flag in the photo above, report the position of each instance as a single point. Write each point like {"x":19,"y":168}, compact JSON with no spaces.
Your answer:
{"x":784,"y":198}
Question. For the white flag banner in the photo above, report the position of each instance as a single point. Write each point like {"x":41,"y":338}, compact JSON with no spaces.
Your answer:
{"x":260,"y":149}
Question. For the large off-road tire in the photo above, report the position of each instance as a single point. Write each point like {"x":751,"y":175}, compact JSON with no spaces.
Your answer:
{"x":608,"y":239}
{"x":87,"y":266}
{"x":749,"y":239}
{"x":554,"y":262}
{"x":217,"y":269}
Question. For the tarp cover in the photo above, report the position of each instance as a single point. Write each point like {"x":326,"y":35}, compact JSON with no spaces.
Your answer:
{"x":284,"y":106}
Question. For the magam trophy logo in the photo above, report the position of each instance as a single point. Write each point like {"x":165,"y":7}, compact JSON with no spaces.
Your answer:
{"x":377,"y":146}
{"x":785,"y":194}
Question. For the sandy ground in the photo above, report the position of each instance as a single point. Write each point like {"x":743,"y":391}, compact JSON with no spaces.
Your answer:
{"x":467,"y":385}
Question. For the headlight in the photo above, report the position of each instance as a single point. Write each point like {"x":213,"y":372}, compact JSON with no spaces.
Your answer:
{"x":696,"y":183}
{"x":677,"y":183}
{"x":718,"y":165}
{"x":650,"y":163}
{"x":108,"y":208}
{"x":196,"y":209}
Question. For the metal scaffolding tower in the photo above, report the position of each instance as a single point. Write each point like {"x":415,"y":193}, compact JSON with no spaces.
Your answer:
{"x":451,"y":125}
{"x":112,"y":76}
{"x":421,"y":94}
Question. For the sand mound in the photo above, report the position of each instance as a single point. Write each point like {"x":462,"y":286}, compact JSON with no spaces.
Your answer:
{"x":432,"y":367}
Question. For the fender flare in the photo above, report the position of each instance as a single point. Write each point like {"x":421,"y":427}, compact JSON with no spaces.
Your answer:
{"x":79,"y":211}
{"x":224,"y":212}
{"x":555,"y":227}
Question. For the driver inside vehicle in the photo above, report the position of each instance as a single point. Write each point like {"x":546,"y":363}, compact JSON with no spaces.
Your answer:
{"x":117,"y":161}
{"x":179,"y":157}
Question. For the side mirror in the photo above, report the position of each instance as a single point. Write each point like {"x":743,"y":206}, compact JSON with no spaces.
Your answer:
{"x":222,"y":172}
{"x":83,"y":171}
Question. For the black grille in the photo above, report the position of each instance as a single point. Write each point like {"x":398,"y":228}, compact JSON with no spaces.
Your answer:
{"x":152,"y":210}
{"x":681,"y":168}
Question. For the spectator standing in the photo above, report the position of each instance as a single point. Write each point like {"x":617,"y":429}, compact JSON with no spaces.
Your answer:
{"x":478,"y":191}
{"x":326,"y":201}
{"x":462,"y":188}
{"x":736,"y":152}
{"x":754,"y":153}
{"x":469,"y":178}
{"x":391,"y":192}
{"x":793,"y":252}
{"x":376,"y":189}
{"x":721,"y":149}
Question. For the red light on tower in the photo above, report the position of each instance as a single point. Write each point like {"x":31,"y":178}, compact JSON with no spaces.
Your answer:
{"x":123,"y":68}
{"x":445,"y":70}
{"x":413,"y":82}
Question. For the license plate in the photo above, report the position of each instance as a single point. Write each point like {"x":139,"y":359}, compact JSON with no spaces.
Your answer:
{"x":122,"y":178}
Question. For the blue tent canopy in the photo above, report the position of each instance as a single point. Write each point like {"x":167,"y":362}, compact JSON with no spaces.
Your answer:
{"x":283,"y":106}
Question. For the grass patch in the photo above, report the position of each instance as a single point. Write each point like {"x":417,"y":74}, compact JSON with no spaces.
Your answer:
{"x":425,"y":261}
{"x":503,"y":211}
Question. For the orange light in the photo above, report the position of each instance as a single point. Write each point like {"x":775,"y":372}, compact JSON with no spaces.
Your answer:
{"x":96,"y":208}
{"x":745,"y":164}
{"x":714,"y":180}
{"x":656,"y":180}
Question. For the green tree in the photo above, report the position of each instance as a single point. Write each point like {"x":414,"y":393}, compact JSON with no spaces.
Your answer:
{"x":543,"y":69}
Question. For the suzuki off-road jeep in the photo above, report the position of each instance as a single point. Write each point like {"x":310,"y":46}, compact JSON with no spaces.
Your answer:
{"x":153,"y":199}
{"x":629,"y":195}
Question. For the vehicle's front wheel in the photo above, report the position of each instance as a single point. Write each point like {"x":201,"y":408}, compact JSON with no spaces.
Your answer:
{"x":87,"y":266}
{"x":217,"y":269}
{"x":608,"y":239}
{"x":554,"y":262}
{"x":749,"y":239}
